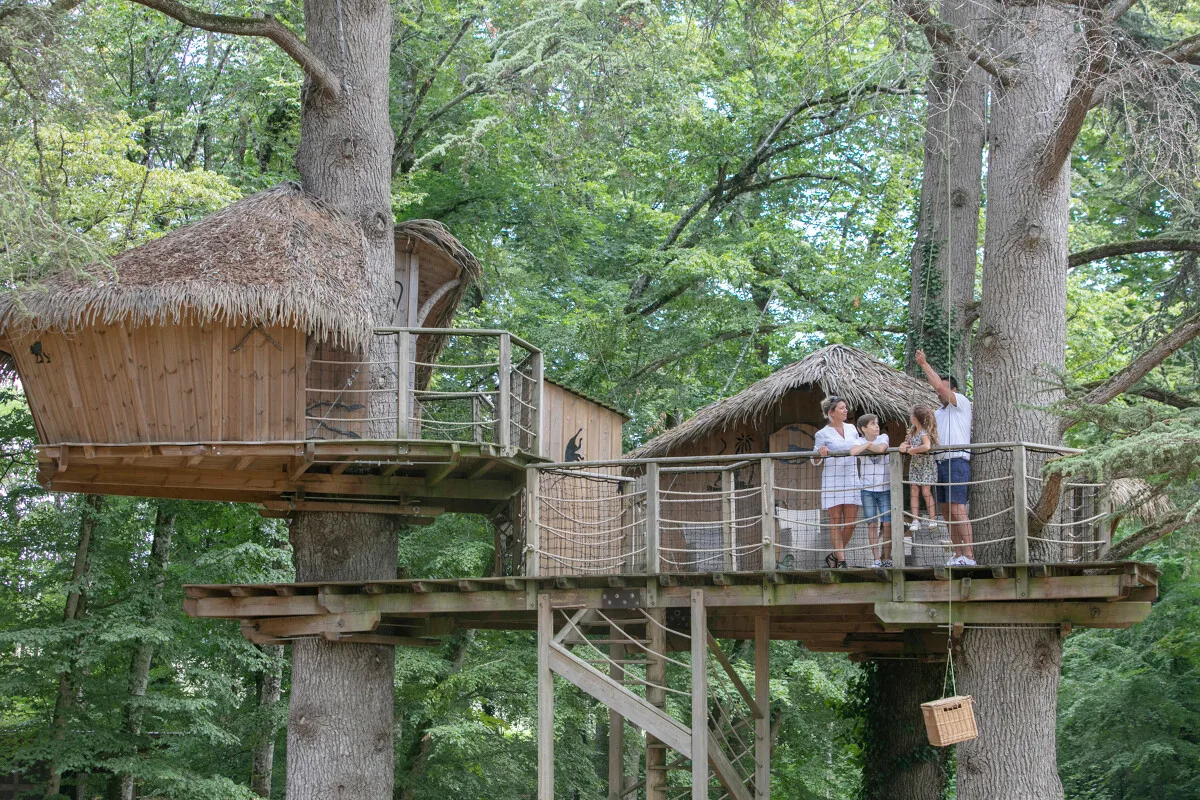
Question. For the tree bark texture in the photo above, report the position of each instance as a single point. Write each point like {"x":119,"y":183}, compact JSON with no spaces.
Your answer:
{"x":1013,"y":677}
{"x":1019,"y":352}
{"x":75,"y":608}
{"x":270,"y":689}
{"x":340,"y":720}
{"x":945,"y":255}
{"x":340,"y":730}
{"x":143,"y":654}
{"x":898,"y":761}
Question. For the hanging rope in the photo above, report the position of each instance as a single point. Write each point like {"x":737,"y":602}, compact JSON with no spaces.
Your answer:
{"x":948,"y":678}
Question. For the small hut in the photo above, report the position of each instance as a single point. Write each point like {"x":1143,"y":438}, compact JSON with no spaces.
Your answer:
{"x":778,"y":414}
{"x":236,"y":359}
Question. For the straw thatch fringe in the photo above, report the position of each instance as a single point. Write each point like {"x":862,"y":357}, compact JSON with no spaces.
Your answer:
{"x":868,"y":385}
{"x":279,"y":257}
{"x":1135,"y":496}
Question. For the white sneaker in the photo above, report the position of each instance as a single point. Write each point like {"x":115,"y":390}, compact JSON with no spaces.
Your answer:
{"x":877,"y":564}
{"x":966,"y":562}
{"x":915,"y":527}
{"x":954,"y":561}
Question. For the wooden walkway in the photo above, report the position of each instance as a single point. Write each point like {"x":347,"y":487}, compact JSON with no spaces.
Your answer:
{"x":869,"y":613}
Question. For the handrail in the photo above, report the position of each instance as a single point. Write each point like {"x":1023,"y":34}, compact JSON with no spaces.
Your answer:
{"x":785,"y":531}
{"x":517,"y":340}
{"x":722,"y":459}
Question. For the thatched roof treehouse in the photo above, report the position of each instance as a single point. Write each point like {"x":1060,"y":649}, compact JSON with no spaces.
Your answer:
{"x":783,"y":410}
{"x":235,"y":359}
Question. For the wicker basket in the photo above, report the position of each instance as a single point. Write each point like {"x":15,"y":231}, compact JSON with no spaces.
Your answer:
{"x":949,"y":720}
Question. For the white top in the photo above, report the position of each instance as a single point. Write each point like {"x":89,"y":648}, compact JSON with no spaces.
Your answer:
{"x":873,"y":468}
{"x":839,"y":478}
{"x":954,"y":427}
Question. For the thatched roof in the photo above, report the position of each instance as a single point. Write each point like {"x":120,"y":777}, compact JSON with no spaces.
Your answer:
{"x":279,"y":257}
{"x":868,"y":384}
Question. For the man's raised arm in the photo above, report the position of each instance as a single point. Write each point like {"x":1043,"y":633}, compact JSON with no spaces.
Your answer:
{"x":944,"y":392}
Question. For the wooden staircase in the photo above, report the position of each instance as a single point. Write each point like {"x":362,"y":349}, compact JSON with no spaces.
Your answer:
{"x":630,"y":658}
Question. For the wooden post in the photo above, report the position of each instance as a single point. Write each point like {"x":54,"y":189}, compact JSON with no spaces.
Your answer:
{"x":1103,"y":525}
{"x":403,"y":387}
{"x":545,"y":691}
{"x":539,"y":445}
{"x":616,"y":723}
{"x":896,"y":487}
{"x":1020,"y":505}
{"x":767,"y":473}
{"x":504,"y":401}
{"x":656,"y":676}
{"x":532,"y":508}
{"x":762,"y":699}
{"x":699,"y":752}
{"x":727,"y":530}
{"x":652,"y":565}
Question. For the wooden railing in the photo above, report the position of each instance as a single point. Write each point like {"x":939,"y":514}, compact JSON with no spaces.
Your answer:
{"x":435,"y":384}
{"x":765,"y":512}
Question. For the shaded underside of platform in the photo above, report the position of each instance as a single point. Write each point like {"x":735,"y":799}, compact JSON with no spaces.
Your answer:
{"x":870,"y":612}
{"x":417,"y":480}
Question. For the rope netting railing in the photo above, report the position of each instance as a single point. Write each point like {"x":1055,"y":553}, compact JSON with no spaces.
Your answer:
{"x":427,"y":384}
{"x":980,"y":503}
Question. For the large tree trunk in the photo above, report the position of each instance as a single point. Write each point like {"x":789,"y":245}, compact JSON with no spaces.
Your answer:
{"x":75,"y":609}
{"x":139,"y":669}
{"x":944,"y":257}
{"x":1018,"y":352}
{"x":340,"y":739}
{"x":898,"y":761}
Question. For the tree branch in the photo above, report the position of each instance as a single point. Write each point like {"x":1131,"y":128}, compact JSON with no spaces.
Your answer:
{"x":1160,"y":351}
{"x":1163,"y":526}
{"x":426,"y":86}
{"x":1163,"y":245}
{"x":267,"y":27}
{"x":659,"y":363}
{"x":939,"y":33}
{"x":1080,"y":99}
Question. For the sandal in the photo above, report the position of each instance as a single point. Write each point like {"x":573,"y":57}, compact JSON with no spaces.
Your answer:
{"x":832,"y":562}
{"x":842,"y":565}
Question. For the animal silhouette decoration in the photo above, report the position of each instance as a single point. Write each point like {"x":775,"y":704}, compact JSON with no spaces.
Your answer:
{"x":40,"y":356}
{"x":574,"y":448}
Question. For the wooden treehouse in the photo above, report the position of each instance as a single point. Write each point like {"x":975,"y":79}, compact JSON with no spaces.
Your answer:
{"x":233,"y":360}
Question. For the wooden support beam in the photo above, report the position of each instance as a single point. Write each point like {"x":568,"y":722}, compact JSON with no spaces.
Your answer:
{"x":243,"y":463}
{"x":762,"y":696}
{"x":485,"y":466}
{"x":616,"y":723}
{"x":1085,"y":615}
{"x":656,"y":677}
{"x":723,"y":660}
{"x":357,"y":508}
{"x":292,"y":627}
{"x":545,"y":695}
{"x":641,"y":713}
{"x":699,"y":664}
{"x":440,"y":473}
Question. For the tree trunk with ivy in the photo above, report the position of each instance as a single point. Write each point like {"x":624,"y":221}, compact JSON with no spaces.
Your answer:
{"x":898,"y":761}
{"x":945,"y":255}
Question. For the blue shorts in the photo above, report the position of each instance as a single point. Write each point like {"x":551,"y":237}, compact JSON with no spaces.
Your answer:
{"x":957,"y":472}
{"x":876,"y":504}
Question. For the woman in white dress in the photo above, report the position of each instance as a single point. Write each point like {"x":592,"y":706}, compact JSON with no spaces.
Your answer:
{"x":839,"y":479}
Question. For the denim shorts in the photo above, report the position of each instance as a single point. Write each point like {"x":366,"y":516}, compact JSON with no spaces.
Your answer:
{"x":875,"y":504}
{"x":956,"y":472}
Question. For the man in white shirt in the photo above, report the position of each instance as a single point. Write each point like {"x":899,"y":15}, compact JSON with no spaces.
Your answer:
{"x":954,"y":466}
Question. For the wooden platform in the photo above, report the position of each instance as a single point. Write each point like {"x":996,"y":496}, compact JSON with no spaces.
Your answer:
{"x":414,"y":479}
{"x":868,"y":613}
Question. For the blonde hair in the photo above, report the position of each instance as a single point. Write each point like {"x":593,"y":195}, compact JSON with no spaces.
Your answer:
{"x":925,"y":421}
{"x":832,"y":402}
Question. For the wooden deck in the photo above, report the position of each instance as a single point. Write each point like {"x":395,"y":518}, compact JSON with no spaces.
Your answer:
{"x":412,"y":479}
{"x":868,"y":613}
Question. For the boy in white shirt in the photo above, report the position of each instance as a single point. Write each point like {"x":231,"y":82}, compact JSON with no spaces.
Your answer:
{"x":875,"y":492}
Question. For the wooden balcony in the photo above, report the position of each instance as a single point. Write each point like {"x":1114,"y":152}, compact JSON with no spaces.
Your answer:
{"x":762,"y":513}
{"x":430,"y":418}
